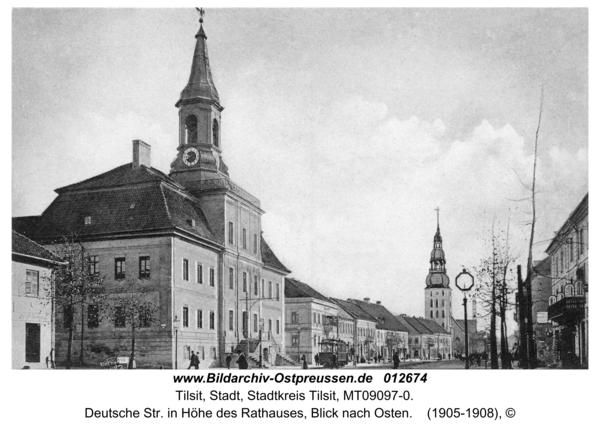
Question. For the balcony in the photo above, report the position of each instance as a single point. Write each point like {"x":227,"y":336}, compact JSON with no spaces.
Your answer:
{"x":567,"y":311}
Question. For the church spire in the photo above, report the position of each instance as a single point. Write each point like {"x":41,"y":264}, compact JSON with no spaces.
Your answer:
{"x":437,"y":272}
{"x":200,"y":84}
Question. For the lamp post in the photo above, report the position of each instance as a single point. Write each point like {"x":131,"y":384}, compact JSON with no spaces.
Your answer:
{"x":176,"y":327}
{"x":464,"y":282}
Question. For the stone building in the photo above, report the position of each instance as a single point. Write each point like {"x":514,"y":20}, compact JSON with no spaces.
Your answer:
{"x":390,"y":336}
{"x":310,"y":317}
{"x":426,"y":339}
{"x":363,"y":328}
{"x":568,"y":304}
{"x":32,"y":309}
{"x":191,"y":242}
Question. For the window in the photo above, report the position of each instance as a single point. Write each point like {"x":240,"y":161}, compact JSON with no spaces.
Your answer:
{"x":199,"y":319}
{"x":32,"y":342}
{"x":436,"y":303}
{"x":277,"y":326}
{"x":93,"y":265}
{"x":431,"y":303}
{"x":186,"y":317}
{"x":120,"y":268}
{"x":270,"y":290}
{"x":256,"y":285}
{"x":144,"y":267}
{"x":244,"y":238}
{"x":294,"y":317}
{"x":87,"y":220}
{"x":571,"y":251}
{"x":191,"y":129}
{"x":215,"y":132}
{"x":32,"y":283}
{"x":231,"y":320}
{"x":314,"y":340}
{"x":443,"y":313}
{"x":211,"y":273}
{"x":231,"y":277}
{"x":255,"y":244}
{"x":255,"y":322}
{"x":277,"y":291}
{"x":93,"y":316}
{"x":186,"y":270}
{"x":244,"y":282}
{"x":262,"y":286}
{"x":581,"y":242}
{"x":213,"y":352}
{"x":245,"y":324}
{"x":145,"y":320}
{"x":437,"y":313}
{"x":67,"y":316}
{"x":119,"y":317}
{"x":230,"y":232}
{"x":199,"y":274}
{"x":442,"y":293}
{"x":443,"y":303}
{"x":201,"y":352}
{"x":315,"y":318}
{"x":431,"y":314}
{"x":211,"y":320}
{"x":295,"y":340}
{"x":270,"y":325}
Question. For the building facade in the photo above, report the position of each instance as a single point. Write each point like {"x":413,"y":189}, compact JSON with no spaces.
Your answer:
{"x":32,"y":309}
{"x":568,"y":304}
{"x":363,"y":330}
{"x":191,"y":242}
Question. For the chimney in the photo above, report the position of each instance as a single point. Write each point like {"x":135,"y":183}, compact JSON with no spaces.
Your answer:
{"x":366,"y":299}
{"x":141,"y":154}
{"x":378,"y":302}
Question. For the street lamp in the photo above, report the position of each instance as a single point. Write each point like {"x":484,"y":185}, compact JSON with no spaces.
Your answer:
{"x":464,"y":282}
{"x":176,"y":327}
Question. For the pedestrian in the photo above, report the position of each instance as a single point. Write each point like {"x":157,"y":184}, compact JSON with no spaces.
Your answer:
{"x":242,"y":362}
{"x":228,"y":361}
{"x":317,"y":359}
{"x":194,"y":361}
{"x":304,"y":363}
{"x":478,"y":359}
{"x":334,"y":362}
{"x":396,"y":360}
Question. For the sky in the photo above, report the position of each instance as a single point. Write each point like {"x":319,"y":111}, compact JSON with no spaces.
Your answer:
{"x":350,"y":125}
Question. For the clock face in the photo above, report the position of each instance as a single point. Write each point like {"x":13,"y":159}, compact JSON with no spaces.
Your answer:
{"x":191,"y":156}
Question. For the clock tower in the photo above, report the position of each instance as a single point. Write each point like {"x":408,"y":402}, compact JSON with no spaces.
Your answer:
{"x":199,"y":149}
{"x":438,"y":295}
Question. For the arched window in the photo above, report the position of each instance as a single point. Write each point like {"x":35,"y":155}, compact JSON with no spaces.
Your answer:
{"x":215,"y":130}
{"x":443,"y":313}
{"x":431,"y":314}
{"x":191,"y":129}
{"x":436,"y":303}
{"x":431,"y":303}
{"x":437,"y":313}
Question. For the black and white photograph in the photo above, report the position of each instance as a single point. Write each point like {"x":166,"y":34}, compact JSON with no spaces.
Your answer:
{"x":300,"y":189}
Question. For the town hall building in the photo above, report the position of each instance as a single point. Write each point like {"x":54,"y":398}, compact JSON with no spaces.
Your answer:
{"x":190,"y":242}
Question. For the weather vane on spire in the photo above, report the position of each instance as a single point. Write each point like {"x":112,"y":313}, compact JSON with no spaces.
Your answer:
{"x":438,"y":215}
{"x":201,"y":13}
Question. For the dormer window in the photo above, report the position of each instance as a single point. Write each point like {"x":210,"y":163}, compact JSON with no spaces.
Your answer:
{"x":191,"y":129}
{"x":87,"y":220}
{"x":215,"y":130}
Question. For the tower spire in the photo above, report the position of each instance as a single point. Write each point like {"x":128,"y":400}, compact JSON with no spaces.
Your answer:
{"x":200,"y":84}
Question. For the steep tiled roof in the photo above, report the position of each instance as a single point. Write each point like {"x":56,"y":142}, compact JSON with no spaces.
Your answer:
{"x":23,"y":246}
{"x":114,"y":206}
{"x":433,"y":326}
{"x":414,"y":322}
{"x":354,"y":310}
{"x":296,"y":289}
{"x":125,"y":175}
{"x":269,"y":257}
{"x":409,"y":327}
{"x":459,"y":324}
{"x":385,"y":319}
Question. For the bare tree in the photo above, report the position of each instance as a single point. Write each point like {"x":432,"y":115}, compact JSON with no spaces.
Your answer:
{"x":75,"y":286}
{"x":132,"y":308}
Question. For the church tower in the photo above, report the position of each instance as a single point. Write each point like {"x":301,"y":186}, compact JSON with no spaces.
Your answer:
{"x":438,"y":295}
{"x":199,"y":150}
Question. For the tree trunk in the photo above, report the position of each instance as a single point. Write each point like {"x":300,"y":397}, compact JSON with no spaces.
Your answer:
{"x":81,"y":358}
{"x":70,"y":342}
{"x":522,"y":309}
{"x":132,"y":357}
